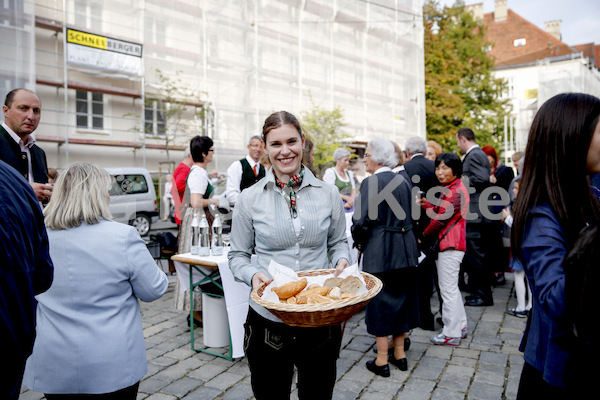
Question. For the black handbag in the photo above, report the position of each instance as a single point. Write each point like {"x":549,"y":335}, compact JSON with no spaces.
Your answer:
{"x":431,"y":252}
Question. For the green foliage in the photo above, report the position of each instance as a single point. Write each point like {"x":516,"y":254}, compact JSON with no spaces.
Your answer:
{"x":460,"y":90}
{"x":324,"y":128}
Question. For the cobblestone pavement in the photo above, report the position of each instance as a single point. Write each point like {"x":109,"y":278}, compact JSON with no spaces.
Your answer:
{"x":486,"y":365}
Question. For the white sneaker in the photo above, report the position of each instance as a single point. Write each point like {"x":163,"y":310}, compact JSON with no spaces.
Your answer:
{"x":464,"y":332}
{"x":442,"y":339}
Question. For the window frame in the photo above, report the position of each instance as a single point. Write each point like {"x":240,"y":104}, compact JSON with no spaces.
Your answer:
{"x":94,"y":113}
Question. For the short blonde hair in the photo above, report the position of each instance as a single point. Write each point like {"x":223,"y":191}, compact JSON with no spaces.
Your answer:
{"x":80,"y":194}
{"x":437,"y":148}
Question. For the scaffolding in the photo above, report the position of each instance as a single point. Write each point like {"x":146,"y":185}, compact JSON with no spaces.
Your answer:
{"x":242,"y":60}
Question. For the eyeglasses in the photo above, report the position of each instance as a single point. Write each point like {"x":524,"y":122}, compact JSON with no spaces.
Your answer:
{"x":367,"y":155}
{"x":211,"y":150}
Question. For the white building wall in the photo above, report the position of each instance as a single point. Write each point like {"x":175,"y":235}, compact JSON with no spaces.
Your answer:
{"x":249,"y":58}
{"x":529,"y":86}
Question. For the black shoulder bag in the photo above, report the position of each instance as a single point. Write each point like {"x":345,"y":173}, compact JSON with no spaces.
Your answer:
{"x":432,"y":252}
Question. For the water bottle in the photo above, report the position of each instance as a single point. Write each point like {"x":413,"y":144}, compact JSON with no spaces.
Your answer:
{"x":194,"y":248}
{"x":217,"y":236}
{"x":204,"y":249}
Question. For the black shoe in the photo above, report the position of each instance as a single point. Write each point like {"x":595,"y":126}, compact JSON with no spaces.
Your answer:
{"x":384,"y":370}
{"x":479,"y":302}
{"x":197,"y":323}
{"x":406,"y":344}
{"x":401,"y":363}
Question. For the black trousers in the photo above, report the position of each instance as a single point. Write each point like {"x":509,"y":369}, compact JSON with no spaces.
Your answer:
{"x":274,"y":348}
{"x":533,"y":386}
{"x":474,"y":261}
{"x":128,"y":393}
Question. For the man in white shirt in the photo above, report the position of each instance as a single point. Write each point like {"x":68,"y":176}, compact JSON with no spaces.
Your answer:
{"x":246,"y":172}
{"x":22,"y":111}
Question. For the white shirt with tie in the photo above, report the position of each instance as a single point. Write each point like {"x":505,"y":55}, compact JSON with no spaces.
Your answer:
{"x":234,"y":178}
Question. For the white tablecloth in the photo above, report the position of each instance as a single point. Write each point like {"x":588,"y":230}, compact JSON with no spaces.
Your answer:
{"x":236,"y":294}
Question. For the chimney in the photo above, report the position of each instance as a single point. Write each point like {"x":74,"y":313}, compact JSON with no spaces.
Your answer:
{"x":553,"y":28}
{"x":476,"y":11}
{"x":500,"y":11}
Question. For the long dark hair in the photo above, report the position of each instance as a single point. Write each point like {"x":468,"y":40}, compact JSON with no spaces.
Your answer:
{"x":555,"y":166}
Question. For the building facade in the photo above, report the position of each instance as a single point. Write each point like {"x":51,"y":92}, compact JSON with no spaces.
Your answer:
{"x":536,"y":65}
{"x":143,"y":77}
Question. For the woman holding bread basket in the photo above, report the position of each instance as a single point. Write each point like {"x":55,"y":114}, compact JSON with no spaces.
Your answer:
{"x":295,"y":219}
{"x":382,"y":231}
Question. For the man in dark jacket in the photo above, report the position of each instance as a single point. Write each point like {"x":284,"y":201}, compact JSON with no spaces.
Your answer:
{"x":22,"y":111}
{"x":25,"y":271}
{"x":476,"y":168}
{"x":422,"y":174}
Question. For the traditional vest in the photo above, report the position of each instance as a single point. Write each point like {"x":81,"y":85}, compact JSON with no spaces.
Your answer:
{"x":248,"y":177}
{"x":343,"y":187}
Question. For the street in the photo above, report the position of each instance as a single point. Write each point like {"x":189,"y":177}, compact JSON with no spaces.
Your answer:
{"x":486,"y":365}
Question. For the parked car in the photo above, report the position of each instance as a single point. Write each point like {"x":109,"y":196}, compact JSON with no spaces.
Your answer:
{"x":133,"y":198}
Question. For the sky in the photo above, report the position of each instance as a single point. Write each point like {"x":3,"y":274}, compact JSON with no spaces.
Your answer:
{"x":580,"y":18}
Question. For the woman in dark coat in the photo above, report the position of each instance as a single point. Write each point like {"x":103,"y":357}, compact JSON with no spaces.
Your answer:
{"x":497,"y":256}
{"x":563,"y":148}
{"x":382,"y":231}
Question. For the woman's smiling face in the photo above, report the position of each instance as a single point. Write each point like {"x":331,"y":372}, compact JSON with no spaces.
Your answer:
{"x":284,"y":147}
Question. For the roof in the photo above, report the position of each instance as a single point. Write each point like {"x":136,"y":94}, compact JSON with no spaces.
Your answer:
{"x":539,"y":44}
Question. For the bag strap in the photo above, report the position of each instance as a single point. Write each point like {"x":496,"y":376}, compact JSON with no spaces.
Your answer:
{"x":449,"y":229}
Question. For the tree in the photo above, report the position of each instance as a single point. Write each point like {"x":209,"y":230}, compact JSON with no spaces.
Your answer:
{"x":324,"y":128}
{"x":182,"y":110}
{"x":460,"y":90}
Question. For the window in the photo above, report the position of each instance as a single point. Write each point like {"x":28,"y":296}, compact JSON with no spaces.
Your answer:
{"x":155,"y":31}
{"x":127,"y":184}
{"x":90,"y":110}
{"x":520,"y":42}
{"x":155,"y":118}
{"x":88,"y":14}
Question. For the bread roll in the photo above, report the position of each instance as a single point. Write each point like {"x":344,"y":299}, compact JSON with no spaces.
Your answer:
{"x":290,"y":289}
{"x":322,"y":290}
{"x":317,"y":299}
{"x":346,"y":296}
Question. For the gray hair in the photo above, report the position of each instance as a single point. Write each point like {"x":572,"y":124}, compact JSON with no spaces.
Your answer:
{"x":254,"y":137}
{"x":340,"y":153}
{"x":80,"y":195}
{"x":383,"y":152}
{"x":416,"y":145}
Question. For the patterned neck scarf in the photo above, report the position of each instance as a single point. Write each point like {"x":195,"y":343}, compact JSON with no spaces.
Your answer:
{"x":287,"y":190}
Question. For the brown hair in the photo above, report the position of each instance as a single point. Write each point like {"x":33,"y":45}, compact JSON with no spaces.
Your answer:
{"x":278,"y":119}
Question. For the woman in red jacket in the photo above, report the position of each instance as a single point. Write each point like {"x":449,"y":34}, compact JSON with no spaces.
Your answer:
{"x":448,"y":224}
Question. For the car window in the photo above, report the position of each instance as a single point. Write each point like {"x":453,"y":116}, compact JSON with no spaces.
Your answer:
{"x":128,"y":184}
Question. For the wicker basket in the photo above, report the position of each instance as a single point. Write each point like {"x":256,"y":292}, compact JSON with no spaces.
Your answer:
{"x":315,"y":315}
